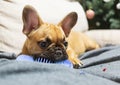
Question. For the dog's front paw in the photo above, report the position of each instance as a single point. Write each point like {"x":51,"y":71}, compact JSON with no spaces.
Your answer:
{"x":76,"y":66}
{"x":76,"y":63}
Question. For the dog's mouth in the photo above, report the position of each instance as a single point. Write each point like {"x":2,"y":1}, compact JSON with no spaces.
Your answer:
{"x":51,"y":56}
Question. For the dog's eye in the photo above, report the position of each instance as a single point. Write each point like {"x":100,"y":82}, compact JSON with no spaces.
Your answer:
{"x":43,"y":44}
{"x":65,"y":43}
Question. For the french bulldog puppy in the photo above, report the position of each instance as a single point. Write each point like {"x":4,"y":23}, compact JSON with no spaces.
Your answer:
{"x":54,"y":42}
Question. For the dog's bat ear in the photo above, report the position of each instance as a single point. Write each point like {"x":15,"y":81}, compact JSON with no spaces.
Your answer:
{"x":68,"y":22}
{"x":31,"y":19}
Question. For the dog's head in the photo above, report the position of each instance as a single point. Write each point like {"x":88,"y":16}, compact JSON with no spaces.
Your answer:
{"x":46,"y":40}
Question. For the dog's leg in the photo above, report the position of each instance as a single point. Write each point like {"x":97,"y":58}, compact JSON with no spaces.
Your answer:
{"x":74,"y":58}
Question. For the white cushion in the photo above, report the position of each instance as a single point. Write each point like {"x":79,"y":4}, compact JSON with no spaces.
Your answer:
{"x":105,"y":37}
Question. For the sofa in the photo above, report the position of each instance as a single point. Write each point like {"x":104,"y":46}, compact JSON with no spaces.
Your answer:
{"x":100,"y":67}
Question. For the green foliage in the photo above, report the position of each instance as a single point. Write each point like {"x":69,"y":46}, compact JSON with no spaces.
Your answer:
{"x":107,"y":16}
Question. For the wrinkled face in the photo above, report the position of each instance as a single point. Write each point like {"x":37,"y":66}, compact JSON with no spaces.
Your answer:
{"x":48,"y":41}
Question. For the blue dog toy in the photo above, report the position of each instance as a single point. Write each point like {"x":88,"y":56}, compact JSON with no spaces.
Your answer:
{"x":30,"y":58}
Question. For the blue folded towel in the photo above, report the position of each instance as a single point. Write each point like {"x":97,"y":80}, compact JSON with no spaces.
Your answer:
{"x":30,"y":58}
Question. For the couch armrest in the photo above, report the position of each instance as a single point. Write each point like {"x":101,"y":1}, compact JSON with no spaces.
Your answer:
{"x":105,"y":37}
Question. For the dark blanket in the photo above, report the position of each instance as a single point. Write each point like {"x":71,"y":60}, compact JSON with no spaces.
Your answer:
{"x":101,"y":67}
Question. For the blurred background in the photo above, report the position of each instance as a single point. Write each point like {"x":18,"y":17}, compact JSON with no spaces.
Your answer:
{"x":102,"y":14}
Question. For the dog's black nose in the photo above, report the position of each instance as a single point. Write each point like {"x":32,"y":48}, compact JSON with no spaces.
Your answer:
{"x":58,"y":53}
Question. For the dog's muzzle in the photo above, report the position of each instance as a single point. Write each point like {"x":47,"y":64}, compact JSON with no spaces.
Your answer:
{"x":53,"y":54}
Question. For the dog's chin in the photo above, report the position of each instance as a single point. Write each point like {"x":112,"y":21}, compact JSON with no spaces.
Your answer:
{"x":57,"y":59}
{"x":51,"y":58}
